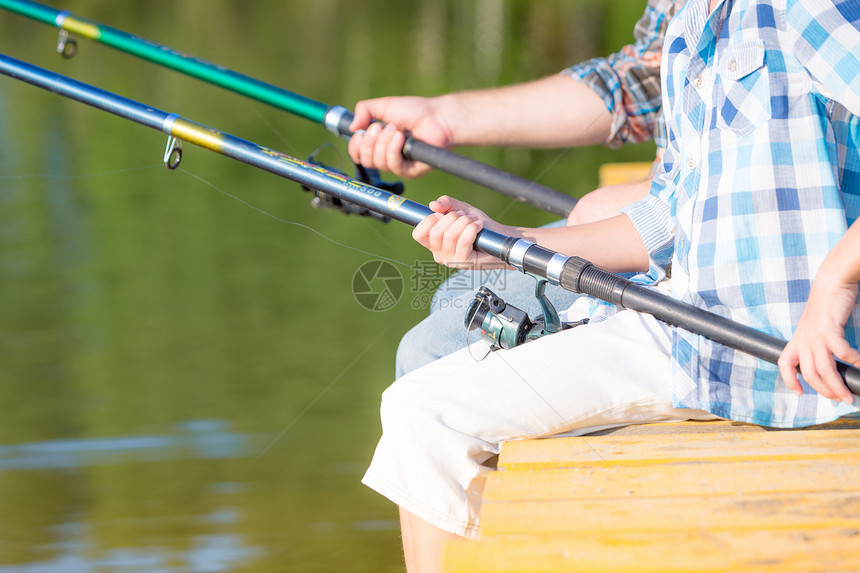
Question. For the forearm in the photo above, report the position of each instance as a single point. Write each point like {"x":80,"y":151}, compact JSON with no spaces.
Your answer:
{"x":555,"y":111}
{"x":606,"y":202}
{"x":612,"y":244}
{"x":842,"y":263}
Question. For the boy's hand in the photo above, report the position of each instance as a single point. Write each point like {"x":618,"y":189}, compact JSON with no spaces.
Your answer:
{"x":451,"y":231}
{"x":819,"y":337}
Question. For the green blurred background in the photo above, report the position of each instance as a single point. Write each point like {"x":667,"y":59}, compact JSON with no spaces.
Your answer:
{"x":187,"y":384}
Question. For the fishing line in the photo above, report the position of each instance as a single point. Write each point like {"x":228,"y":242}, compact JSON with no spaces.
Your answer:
{"x":469,"y":342}
{"x":374,"y":229}
{"x":340,"y":166}
{"x":275,"y":131}
{"x":302,"y":225}
{"x":552,"y":163}
{"x":223,"y":192}
{"x":328,"y":145}
{"x":340,"y":163}
{"x":546,"y":170}
{"x":80,"y":176}
{"x":319,"y":396}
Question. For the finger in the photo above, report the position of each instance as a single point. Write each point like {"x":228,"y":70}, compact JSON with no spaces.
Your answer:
{"x":394,"y":154}
{"x":442,"y":204}
{"x":413,"y":169}
{"x":421,"y":232}
{"x":437,"y":233}
{"x":361,"y":117}
{"x":458,"y":205}
{"x":788,"y":362}
{"x":844,"y":351}
{"x":466,"y":244}
{"x":380,"y":151}
{"x":368,"y":110}
{"x":809,"y":370}
{"x":829,"y":376}
{"x":451,"y":240}
{"x":353,"y":146}
{"x":850,"y":355}
{"x":368,"y":144}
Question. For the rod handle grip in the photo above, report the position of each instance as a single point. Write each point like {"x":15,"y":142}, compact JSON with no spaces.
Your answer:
{"x":490,"y":177}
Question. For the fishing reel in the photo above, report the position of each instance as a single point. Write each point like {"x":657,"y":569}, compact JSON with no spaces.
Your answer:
{"x":505,"y":326}
{"x":363,"y":174}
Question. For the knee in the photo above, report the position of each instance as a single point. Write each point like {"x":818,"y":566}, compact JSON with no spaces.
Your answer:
{"x":438,"y":335}
{"x":402,"y":407}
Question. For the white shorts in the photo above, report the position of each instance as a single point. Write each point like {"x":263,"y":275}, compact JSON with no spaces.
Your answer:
{"x":443,"y":421}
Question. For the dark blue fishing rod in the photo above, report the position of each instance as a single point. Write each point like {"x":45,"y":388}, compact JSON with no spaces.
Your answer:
{"x":571,"y":273}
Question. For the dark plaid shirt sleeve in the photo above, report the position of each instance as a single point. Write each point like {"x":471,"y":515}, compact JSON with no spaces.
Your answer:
{"x":629,"y":81}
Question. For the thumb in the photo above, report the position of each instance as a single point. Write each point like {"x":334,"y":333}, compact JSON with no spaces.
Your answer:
{"x":363,"y":115}
{"x":457,"y":205}
{"x":443,"y":204}
{"x":371,"y":109}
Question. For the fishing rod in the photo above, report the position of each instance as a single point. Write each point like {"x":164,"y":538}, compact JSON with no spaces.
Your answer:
{"x":571,"y":273}
{"x":336,"y":119}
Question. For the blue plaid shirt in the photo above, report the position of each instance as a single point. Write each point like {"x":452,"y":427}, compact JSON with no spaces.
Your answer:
{"x":761,"y":178}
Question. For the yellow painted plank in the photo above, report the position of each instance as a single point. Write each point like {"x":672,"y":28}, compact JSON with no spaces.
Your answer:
{"x":759,"y":551}
{"x":633,"y":450}
{"x":690,"y":478}
{"x":685,"y":427}
{"x":696,"y":426}
{"x":614,"y":173}
{"x":720,"y":512}
{"x":715,"y":496}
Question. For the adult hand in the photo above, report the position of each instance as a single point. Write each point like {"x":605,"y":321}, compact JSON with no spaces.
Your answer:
{"x":451,"y":231}
{"x":379,"y":144}
{"x":819,"y":337}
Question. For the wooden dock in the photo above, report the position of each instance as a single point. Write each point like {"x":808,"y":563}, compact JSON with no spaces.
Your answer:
{"x":670,"y":498}
{"x":680,"y":497}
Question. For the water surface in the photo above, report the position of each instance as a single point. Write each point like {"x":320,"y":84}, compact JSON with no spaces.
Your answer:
{"x":187,"y":383}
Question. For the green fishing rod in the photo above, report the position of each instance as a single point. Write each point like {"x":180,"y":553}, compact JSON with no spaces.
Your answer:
{"x":571,"y":273}
{"x":336,"y":119}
